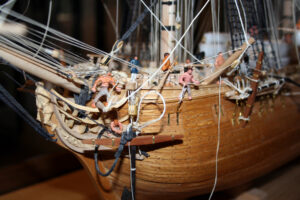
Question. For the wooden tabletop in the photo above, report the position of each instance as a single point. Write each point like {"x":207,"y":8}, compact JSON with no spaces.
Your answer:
{"x":281,"y":184}
{"x":75,"y":186}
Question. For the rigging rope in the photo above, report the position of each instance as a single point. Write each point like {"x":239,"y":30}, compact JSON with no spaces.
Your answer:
{"x":218,"y":141}
{"x":270,"y":16}
{"x":47,"y":27}
{"x":110,"y":16}
{"x":63,"y":37}
{"x":241,"y":21}
{"x":136,"y":23}
{"x":295,"y":30}
{"x":165,"y":28}
{"x":126,"y":137}
{"x":171,"y":53}
{"x":80,"y":111}
{"x":11,"y":102}
{"x":139,"y":127}
{"x":132,"y":158}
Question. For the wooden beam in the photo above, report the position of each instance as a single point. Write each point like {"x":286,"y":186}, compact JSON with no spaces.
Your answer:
{"x":228,"y":62}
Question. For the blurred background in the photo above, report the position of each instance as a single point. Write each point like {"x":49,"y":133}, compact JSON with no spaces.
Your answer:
{"x":26,"y":157}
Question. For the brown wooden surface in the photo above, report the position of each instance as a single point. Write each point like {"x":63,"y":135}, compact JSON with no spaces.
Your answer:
{"x":181,"y":170}
{"x":73,"y":186}
{"x":36,"y":169}
{"x":254,"y":85}
{"x":281,"y":184}
{"x":140,"y":140}
{"x":234,"y":57}
{"x":178,"y":171}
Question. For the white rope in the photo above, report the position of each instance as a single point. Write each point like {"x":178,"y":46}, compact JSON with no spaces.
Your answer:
{"x":218,"y":141}
{"x":10,"y":43}
{"x":36,"y":33}
{"x":112,"y":89}
{"x":132,"y":195}
{"x":213,"y":18}
{"x":245,"y":16}
{"x":251,"y":79}
{"x":245,"y":34}
{"x":22,"y":39}
{"x":31,"y":48}
{"x":244,"y":118}
{"x":117,"y":20}
{"x":182,"y":95}
{"x":173,"y":38}
{"x":256,"y":10}
{"x":231,"y":85}
{"x":295,"y":29}
{"x":65,"y":38}
{"x":152,"y":36}
{"x":278,"y":86}
{"x":171,"y":53}
{"x":212,"y":57}
{"x":186,"y":22}
{"x":218,"y":24}
{"x":291,"y":93}
{"x":178,"y":18}
{"x":139,"y":127}
{"x":212,"y":74}
{"x":46,"y":30}
{"x":192,"y":31}
{"x":242,"y":25}
{"x":297,"y":4}
{"x":8,"y":5}
{"x":109,"y":16}
{"x":270,"y":16}
{"x":242,"y":92}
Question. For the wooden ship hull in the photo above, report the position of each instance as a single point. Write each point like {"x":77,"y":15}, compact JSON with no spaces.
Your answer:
{"x":175,"y":169}
{"x":178,"y":170}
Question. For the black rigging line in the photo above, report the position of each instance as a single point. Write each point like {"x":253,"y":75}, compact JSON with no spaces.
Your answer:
{"x":256,"y":22}
{"x":136,"y":23}
{"x":126,"y":137}
{"x":80,"y":111}
{"x":11,"y":78}
{"x":287,"y":79}
{"x":11,"y":102}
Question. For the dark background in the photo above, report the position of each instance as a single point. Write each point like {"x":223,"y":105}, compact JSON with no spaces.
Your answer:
{"x":26,"y":157}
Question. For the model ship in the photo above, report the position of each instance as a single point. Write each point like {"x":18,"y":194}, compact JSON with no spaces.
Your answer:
{"x":164,"y":133}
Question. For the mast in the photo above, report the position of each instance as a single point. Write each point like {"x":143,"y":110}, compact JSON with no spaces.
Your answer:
{"x":168,"y":20}
{"x":287,"y":14}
